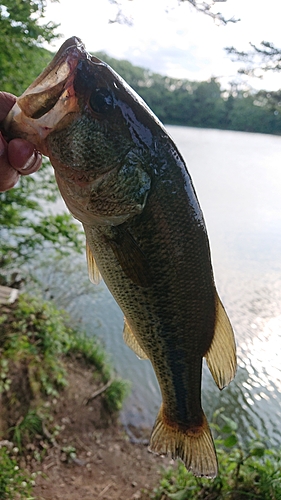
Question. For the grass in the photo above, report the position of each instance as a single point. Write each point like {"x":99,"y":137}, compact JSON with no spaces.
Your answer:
{"x":92,"y":352}
{"x":27,"y":428}
{"x":35,"y":344}
{"x":14,"y":482}
{"x":116,"y":394}
{"x":36,"y":340}
{"x":37,"y":337}
{"x":248,"y":471}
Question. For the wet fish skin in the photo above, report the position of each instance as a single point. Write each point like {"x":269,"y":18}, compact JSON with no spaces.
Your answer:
{"x":121,"y":175}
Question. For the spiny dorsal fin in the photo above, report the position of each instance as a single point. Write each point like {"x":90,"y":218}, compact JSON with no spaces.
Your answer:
{"x":94,"y":274}
{"x":131,"y":341}
{"x":221,"y":356}
{"x":195,"y":447}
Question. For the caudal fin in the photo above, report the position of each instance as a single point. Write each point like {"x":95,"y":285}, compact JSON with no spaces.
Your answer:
{"x":195,"y":447}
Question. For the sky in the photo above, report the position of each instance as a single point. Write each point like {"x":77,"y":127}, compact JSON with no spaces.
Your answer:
{"x":172,"y":39}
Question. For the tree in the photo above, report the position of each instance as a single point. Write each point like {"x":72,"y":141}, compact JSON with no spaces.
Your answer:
{"x":258,"y":60}
{"x":27,"y":225}
{"x":265,"y":57}
{"x":208,"y":105}
{"x":202,"y":104}
{"x":22,"y":56}
{"x":206,"y":7}
{"x":203,"y":6}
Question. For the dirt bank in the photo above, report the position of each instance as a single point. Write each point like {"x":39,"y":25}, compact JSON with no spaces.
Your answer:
{"x":92,"y":458}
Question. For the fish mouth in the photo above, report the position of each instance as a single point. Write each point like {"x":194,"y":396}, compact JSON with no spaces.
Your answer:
{"x":42,"y":95}
{"x":49,"y":98}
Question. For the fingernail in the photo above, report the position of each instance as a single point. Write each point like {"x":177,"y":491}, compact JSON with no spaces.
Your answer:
{"x":30,"y":162}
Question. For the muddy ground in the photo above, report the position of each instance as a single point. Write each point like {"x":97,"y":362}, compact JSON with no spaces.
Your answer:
{"x":92,"y":457}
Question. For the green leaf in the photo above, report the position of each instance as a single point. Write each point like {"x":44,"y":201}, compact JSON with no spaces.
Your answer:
{"x":230,"y":441}
{"x":180,"y":495}
{"x":229,"y":426}
{"x":258,"y":449}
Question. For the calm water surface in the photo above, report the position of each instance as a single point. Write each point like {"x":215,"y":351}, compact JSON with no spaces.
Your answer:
{"x":237,"y":177}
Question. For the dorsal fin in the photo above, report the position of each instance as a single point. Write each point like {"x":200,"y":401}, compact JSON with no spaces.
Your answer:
{"x":132,"y":342}
{"x":221,"y":356}
{"x":94,"y":274}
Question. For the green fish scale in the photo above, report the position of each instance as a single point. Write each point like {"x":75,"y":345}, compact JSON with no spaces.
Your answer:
{"x":173,"y":319}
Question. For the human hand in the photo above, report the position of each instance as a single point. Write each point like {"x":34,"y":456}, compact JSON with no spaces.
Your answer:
{"x":18,"y":157}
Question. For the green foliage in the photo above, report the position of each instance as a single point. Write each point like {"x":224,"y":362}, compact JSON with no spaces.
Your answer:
{"x":28,"y":226}
{"x":22,"y":57}
{"x":202,"y":104}
{"x":91,"y":351}
{"x":255,"y":113}
{"x":35,"y":342}
{"x":70,"y":453}
{"x":250,"y":471}
{"x":5,"y":381}
{"x":116,"y":394}
{"x":14,"y":482}
{"x":36,"y":336}
{"x":29,"y":426}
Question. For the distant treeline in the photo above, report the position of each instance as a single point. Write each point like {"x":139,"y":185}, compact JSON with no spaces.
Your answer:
{"x":202,"y":104}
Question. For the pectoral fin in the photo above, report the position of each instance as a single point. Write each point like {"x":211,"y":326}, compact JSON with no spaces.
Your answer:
{"x":130,"y":257}
{"x":94,"y":274}
{"x":131,"y":341}
{"x":221,"y":356}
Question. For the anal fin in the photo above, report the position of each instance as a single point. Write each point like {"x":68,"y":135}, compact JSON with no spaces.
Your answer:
{"x":221,"y":356}
{"x":131,"y":341}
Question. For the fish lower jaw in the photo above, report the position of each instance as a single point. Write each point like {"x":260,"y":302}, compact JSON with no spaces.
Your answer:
{"x":18,"y":125}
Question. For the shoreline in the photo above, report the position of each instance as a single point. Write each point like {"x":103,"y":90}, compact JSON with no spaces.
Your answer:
{"x":104,"y":463}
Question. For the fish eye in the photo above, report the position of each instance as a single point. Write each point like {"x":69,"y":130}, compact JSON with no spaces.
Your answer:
{"x":101,"y":100}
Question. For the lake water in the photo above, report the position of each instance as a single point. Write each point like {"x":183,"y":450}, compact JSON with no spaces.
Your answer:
{"x":237,"y":177}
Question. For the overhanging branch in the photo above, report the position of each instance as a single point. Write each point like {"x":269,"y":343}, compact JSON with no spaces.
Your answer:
{"x":259,"y":59}
{"x":205,"y":7}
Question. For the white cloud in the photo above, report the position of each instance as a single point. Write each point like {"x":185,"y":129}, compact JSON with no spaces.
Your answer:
{"x":171,"y":39}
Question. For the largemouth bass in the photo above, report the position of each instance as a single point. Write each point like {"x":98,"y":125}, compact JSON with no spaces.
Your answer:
{"x":122,"y":176}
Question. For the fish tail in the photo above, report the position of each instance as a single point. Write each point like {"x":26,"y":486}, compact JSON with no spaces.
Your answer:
{"x":195,"y":447}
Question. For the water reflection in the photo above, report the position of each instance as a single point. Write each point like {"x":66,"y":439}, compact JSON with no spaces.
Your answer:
{"x":254,"y":397}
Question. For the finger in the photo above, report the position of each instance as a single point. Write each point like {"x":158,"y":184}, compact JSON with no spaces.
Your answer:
{"x":23,"y":156}
{"x":8,"y":175}
{"x":7,"y":101}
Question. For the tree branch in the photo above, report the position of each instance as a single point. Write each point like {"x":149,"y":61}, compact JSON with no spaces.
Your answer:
{"x":205,"y":7}
{"x":98,"y":392}
{"x":260,"y":58}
